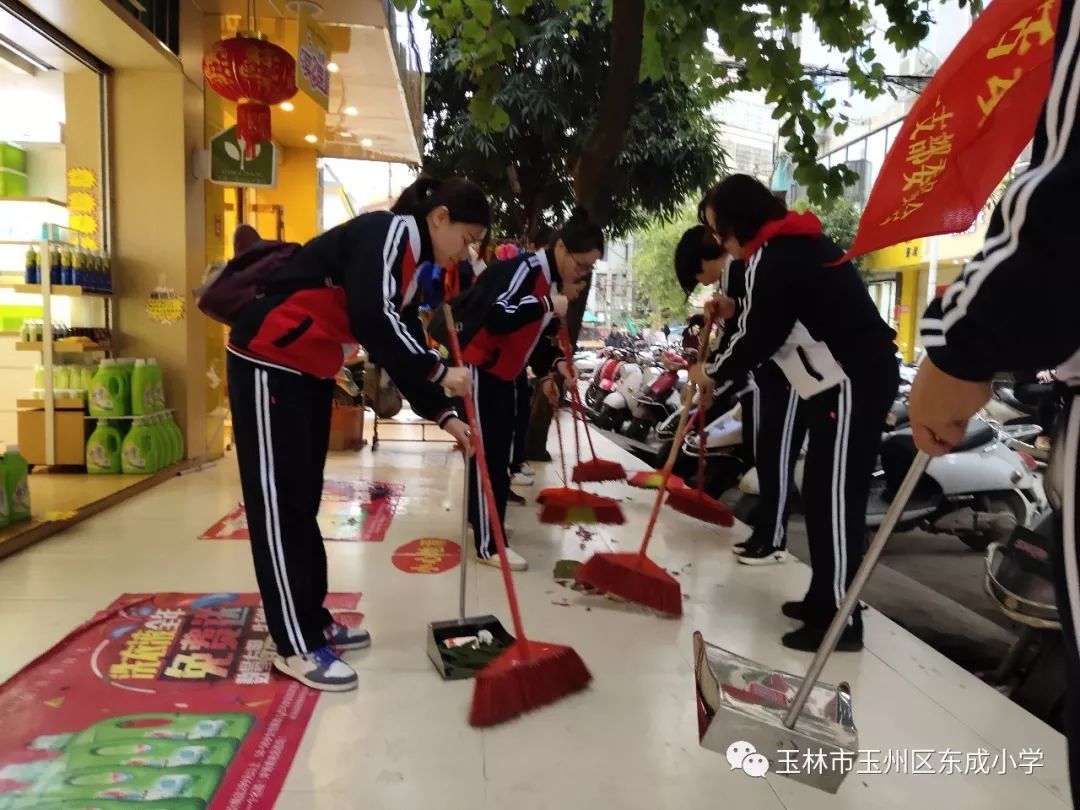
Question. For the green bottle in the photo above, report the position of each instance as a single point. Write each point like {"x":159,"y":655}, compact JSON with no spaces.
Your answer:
{"x":17,"y":484}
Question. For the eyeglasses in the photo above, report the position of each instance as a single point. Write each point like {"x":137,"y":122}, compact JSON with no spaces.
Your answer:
{"x":583,"y":267}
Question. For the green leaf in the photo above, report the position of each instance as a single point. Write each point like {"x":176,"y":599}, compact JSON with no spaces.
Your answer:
{"x":481,"y":10}
{"x":473,"y":31}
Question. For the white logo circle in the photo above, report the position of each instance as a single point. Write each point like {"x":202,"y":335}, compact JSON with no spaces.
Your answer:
{"x":737,"y":752}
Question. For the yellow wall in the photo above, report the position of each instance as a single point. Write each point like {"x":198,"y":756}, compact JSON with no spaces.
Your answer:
{"x":159,"y":234}
{"x":296,"y":192}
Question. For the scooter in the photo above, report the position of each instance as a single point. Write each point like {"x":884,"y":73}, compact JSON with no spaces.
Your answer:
{"x":724,"y":460}
{"x":659,"y":399}
{"x":617,"y":407}
{"x":603,"y":379}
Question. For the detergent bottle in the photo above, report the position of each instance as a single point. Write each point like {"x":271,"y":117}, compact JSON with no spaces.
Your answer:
{"x":103,"y":450}
{"x":16,"y":484}
{"x":109,"y":392}
{"x":153,"y":371}
{"x":139,"y":453}
{"x":143,"y":390}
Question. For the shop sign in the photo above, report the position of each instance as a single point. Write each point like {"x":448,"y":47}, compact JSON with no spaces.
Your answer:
{"x":312,"y":58}
{"x":229,"y":167}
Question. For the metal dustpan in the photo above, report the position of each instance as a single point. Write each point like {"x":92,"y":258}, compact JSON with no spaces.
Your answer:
{"x":768,"y":721}
{"x":459,"y":648}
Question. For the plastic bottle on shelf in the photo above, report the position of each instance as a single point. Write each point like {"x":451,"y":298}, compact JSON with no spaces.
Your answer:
{"x":140,"y":451}
{"x":158,"y":384}
{"x":33,"y":268}
{"x":178,"y":438}
{"x":143,"y":390}
{"x":78,"y":267}
{"x":109,"y":393}
{"x":107,"y":277}
{"x":56,"y":266}
{"x":95,"y":271}
{"x":67,"y":269}
{"x":17,"y":484}
{"x":103,"y":450}
{"x":39,"y":376}
{"x":61,"y":377}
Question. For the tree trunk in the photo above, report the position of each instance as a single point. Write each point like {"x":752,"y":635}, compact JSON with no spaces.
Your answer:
{"x":594,"y":171}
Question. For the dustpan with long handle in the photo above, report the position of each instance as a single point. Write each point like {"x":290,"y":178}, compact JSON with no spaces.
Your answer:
{"x":452,"y":663}
{"x":804,"y":729}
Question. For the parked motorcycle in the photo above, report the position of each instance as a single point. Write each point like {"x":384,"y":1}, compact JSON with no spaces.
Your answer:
{"x":659,"y":398}
{"x":617,"y":406}
{"x":602,"y":382}
{"x":724,"y":459}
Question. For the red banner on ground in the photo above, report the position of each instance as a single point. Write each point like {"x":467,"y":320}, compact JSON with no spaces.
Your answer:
{"x":163,"y":699}
{"x":351,"y":511}
{"x":967,"y":128}
{"x":428,"y":555}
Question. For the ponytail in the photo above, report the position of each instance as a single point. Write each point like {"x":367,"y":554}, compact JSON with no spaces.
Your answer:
{"x":464,"y":200}
{"x":580,"y":234}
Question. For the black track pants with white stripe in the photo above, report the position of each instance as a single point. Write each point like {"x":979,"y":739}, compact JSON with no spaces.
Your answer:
{"x":496,"y":407}
{"x":844,"y":425}
{"x":1064,"y":477}
{"x":281,"y":426}
{"x":781,"y":429}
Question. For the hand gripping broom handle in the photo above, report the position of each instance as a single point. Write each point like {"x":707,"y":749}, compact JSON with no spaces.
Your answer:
{"x":575,"y":395}
{"x":839,"y":622}
{"x":485,"y":483}
{"x":684,"y":420}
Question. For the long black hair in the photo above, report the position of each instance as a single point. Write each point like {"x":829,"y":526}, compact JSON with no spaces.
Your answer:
{"x":580,"y":234}
{"x":741,"y":205}
{"x":465,"y":200}
{"x":697,"y":245}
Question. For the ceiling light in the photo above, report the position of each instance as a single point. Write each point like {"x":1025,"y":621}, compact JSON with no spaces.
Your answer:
{"x":350,"y":111}
{"x":367,"y":143}
{"x":288,"y":106}
{"x":311,"y":138}
{"x":332,"y":67}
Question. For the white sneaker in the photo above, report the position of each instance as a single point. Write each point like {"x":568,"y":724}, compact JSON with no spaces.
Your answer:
{"x":517,"y":562}
{"x":527,"y":470}
{"x":520,"y":479}
{"x":320,"y":669}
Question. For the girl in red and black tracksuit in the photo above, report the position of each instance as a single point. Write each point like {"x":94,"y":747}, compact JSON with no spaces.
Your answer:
{"x":518,"y":326}
{"x":838,"y":354}
{"x":354,"y":284}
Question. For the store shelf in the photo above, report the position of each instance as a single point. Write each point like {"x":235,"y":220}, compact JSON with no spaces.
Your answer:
{"x":70,"y":290}
{"x":61,"y":348}
{"x":58,"y":404}
{"x":49,"y":200}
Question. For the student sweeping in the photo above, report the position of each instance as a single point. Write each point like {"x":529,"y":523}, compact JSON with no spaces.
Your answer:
{"x":849,"y":378}
{"x":353,"y":284}
{"x":508,"y":320}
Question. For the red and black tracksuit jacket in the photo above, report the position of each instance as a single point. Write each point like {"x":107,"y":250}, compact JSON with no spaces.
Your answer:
{"x":517,"y":327}
{"x":354,"y":284}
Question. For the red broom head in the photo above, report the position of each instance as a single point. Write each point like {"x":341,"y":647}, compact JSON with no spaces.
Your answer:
{"x":556,"y":494}
{"x":650,"y":479}
{"x":580,"y":508}
{"x":526,"y":676}
{"x":698,"y":505}
{"x":598,"y":470}
{"x":634,"y":578}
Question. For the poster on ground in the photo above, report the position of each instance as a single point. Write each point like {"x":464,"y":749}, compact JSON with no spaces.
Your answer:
{"x":165,"y":700}
{"x":351,"y":511}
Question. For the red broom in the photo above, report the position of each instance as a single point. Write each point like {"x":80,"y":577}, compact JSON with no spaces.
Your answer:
{"x":652,"y":479}
{"x":598,"y":469}
{"x":566,"y":504}
{"x":528,"y":674}
{"x":695,"y":502}
{"x":633,"y":576}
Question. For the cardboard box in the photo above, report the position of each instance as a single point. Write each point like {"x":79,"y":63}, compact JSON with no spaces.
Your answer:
{"x":346,"y":427}
{"x":70,"y":432}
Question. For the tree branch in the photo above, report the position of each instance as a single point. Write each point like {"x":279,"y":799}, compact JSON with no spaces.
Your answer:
{"x":595,"y":166}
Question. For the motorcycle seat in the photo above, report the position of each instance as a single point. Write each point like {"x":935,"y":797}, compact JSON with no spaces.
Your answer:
{"x":978,"y":434}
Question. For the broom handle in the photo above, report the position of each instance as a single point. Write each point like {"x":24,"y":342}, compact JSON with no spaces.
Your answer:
{"x":562,"y":453}
{"x":858,"y":582}
{"x":575,"y":395}
{"x":680,"y":432}
{"x":485,"y":483}
{"x":701,"y":451}
{"x":464,"y":534}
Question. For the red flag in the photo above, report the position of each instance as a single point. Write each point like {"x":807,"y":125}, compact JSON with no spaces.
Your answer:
{"x":966,"y":129}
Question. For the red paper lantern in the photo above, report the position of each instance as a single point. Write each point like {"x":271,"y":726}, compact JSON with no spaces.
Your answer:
{"x":255,"y":74}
